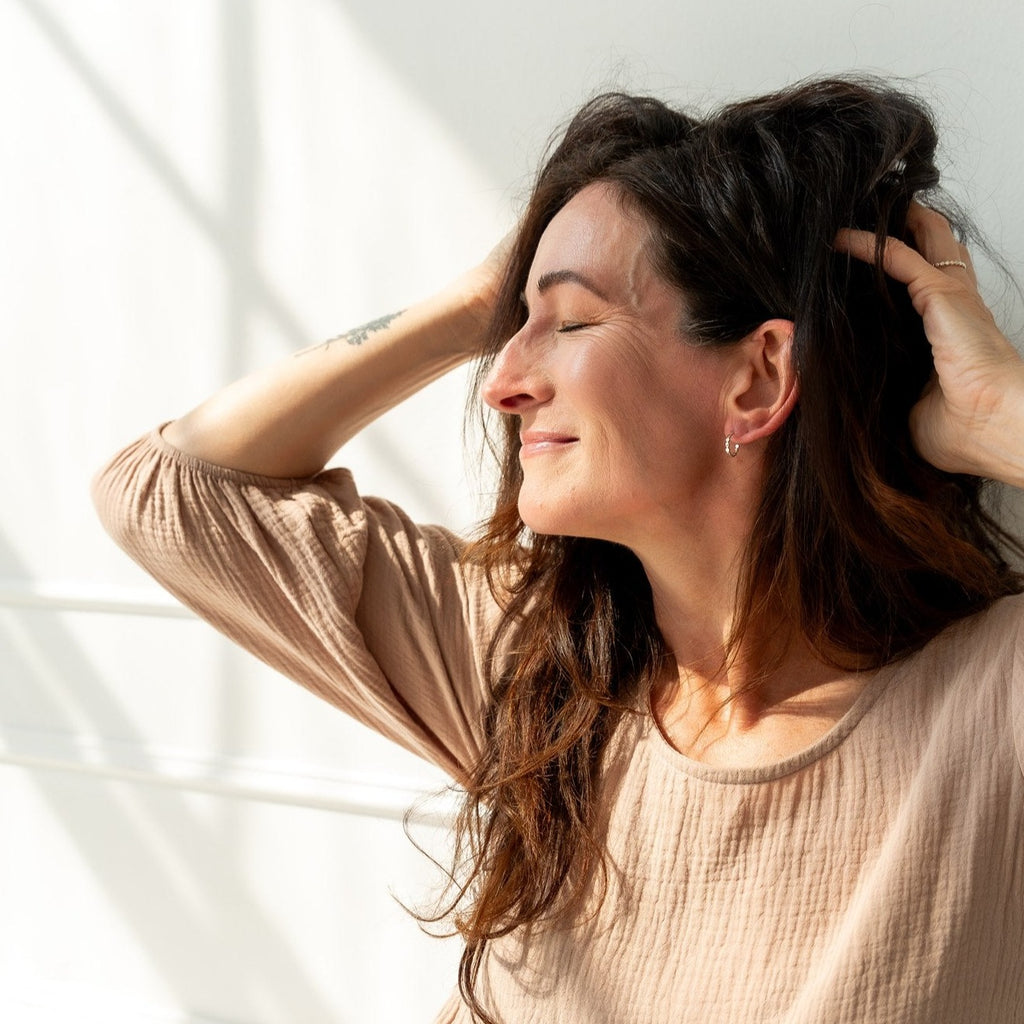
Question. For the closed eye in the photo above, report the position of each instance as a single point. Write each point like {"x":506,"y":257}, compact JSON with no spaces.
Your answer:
{"x":570,"y":327}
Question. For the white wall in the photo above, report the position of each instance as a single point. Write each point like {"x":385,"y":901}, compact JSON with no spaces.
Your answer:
{"x":192,"y":189}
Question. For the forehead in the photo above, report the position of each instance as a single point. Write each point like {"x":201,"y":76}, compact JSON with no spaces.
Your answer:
{"x":594,"y":233}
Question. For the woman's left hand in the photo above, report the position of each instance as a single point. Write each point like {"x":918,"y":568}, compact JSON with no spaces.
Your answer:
{"x":970,"y":418}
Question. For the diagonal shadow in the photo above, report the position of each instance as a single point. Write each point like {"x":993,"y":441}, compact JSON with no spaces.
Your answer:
{"x":216,"y":229}
{"x":233,"y":235}
{"x":186,"y":873}
{"x":181,"y":870}
{"x":502,"y":110}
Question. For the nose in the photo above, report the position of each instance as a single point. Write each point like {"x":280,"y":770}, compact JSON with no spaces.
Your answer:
{"x":516,"y":381}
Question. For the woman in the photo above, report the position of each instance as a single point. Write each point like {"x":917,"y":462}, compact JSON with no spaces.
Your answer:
{"x":733,"y":677}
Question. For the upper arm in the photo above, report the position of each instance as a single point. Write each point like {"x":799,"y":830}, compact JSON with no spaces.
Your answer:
{"x":348,"y":597}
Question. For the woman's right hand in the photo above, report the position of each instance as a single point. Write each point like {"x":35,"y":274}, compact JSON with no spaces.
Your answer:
{"x":483,"y":281}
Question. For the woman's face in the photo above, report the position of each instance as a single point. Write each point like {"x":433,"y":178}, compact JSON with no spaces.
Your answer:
{"x":621,"y":420}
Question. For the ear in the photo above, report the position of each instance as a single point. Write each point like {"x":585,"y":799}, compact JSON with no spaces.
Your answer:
{"x":764,"y":388}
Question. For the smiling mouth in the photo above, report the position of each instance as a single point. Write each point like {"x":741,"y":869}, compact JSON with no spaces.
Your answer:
{"x":537,"y":442}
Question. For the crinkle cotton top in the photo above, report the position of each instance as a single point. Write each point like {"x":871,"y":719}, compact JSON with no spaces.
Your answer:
{"x":877,"y":877}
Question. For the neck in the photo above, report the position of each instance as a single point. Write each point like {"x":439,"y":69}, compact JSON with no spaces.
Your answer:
{"x":695,"y":583}
{"x":740,"y":700}
{"x":696,"y":599}
{"x":700,"y":630}
{"x":694,"y":564}
{"x":727,"y":698}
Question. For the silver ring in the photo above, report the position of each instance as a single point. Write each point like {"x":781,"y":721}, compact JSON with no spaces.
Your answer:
{"x":951,"y":263}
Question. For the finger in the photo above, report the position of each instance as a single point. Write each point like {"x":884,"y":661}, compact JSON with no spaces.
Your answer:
{"x":931,"y":232}
{"x":899,"y":260}
{"x":966,"y":257}
{"x":902,"y":262}
{"x":935,"y":240}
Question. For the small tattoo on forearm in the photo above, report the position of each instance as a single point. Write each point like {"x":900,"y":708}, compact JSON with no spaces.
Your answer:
{"x":359,"y":334}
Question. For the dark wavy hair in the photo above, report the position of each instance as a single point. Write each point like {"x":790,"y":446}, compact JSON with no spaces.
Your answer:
{"x":863,"y":547}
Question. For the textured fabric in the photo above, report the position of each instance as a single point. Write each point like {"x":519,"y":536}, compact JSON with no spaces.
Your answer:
{"x":878,"y":876}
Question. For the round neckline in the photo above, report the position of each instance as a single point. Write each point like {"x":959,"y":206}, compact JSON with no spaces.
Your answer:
{"x":659,"y":743}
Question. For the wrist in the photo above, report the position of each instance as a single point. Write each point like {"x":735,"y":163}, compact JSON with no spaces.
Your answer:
{"x":470,"y":301}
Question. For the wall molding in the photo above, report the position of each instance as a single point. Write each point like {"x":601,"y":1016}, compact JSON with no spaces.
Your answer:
{"x":228,"y":776}
{"x":235,"y":778}
{"x":90,"y":597}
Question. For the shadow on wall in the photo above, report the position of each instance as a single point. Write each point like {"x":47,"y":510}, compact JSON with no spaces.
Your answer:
{"x":1008,"y":506}
{"x":182,"y":866}
{"x":232,"y":233}
{"x":500,"y":61}
{"x":184,"y":897}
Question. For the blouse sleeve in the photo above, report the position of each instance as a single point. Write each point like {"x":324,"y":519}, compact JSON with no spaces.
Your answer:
{"x":343,"y":594}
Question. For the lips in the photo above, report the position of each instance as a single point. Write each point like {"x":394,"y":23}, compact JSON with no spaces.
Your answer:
{"x":537,"y":442}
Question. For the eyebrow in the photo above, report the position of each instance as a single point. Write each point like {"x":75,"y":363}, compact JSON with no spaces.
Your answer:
{"x":553,"y":277}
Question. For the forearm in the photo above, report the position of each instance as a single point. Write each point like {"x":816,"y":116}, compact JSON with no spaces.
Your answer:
{"x":289,"y":419}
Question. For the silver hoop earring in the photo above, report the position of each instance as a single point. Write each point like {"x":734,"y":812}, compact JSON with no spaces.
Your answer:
{"x":731,"y":447}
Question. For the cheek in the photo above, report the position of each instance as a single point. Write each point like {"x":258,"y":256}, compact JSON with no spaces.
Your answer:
{"x":694,"y":390}
{"x":604,"y":384}
{"x":675,"y":430}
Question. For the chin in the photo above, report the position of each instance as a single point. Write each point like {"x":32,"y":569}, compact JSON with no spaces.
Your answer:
{"x":545,"y":520}
{"x":551,"y":521}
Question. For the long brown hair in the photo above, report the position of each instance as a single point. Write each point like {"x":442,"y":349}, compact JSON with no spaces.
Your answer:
{"x":868,"y":550}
